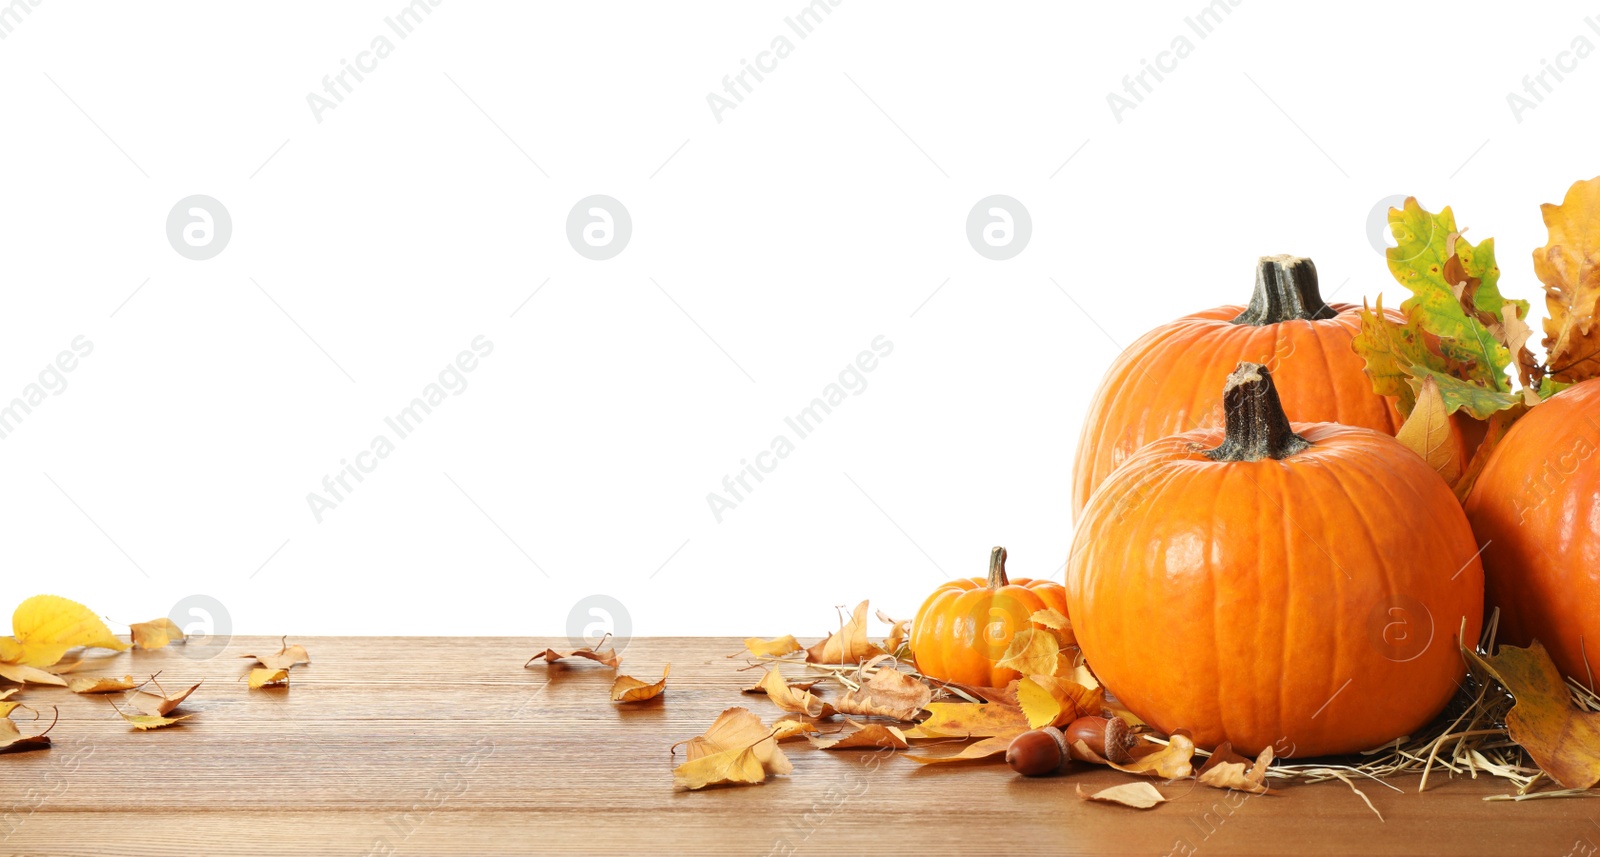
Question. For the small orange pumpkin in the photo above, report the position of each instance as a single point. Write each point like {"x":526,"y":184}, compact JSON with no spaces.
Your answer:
{"x":965,"y":626}
{"x":1296,"y":587}
{"x":1167,"y":381}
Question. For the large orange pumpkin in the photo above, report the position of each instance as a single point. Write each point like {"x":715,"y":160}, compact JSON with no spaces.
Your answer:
{"x":965,"y":626}
{"x":1168,"y":381}
{"x":1300,"y":587}
{"x":1536,"y":507}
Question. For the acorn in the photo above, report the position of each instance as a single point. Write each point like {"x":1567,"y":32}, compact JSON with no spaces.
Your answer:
{"x":1106,"y":737}
{"x":1039,"y":753}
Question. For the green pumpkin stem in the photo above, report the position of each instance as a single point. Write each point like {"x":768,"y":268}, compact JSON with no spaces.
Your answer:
{"x":1286,"y":290}
{"x":1257,"y":427}
{"x":997,"y":568}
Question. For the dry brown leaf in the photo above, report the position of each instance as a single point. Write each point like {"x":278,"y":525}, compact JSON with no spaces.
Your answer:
{"x":603,"y":656}
{"x":870,"y":736}
{"x":1562,"y":740}
{"x":1033,"y":651}
{"x":760,"y":687}
{"x":898,"y":632}
{"x":268,"y":677}
{"x":287,"y":656}
{"x":155,"y":633}
{"x":1051,"y":701}
{"x":1136,"y":795}
{"x":1430,"y":433}
{"x":737,"y":749}
{"x":1567,"y":267}
{"x":1227,"y":769}
{"x":889,"y":693}
{"x":774,"y":648}
{"x":8,"y":691}
{"x":156,"y":705}
{"x":629,"y":689}
{"x":848,"y":645}
{"x":969,"y":720}
{"x":22,"y":674}
{"x":1004,"y":695}
{"x":86,"y":684}
{"x":144,"y":722}
{"x":13,"y":741}
{"x":986,"y":748}
{"x":789,"y":730}
{"x":1169,"y":762}
{"x":798,"y":701}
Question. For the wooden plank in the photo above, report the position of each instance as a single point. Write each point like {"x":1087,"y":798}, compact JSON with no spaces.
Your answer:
{"x":449,"y":746}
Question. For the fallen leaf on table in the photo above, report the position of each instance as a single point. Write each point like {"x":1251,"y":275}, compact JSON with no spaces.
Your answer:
{"x":985,"y":749}
{"x":789,"y":730}
{"x":1227,"y":769}
{"x":898,"y":632}
{"x":774,"y":648}
{"x":7,"y":707}
{"x":1572,"y":283}
{"x":789,"y":699}
{"x":156,"y":633}
{"x":1051,"y":701}
{"x":268,"y":677}
{"x":45,"y":627}
{"x":159,"y":705}
{"x":761,"y":687}
{"x":13,"y":741}
{"x":22,"y":674}
{"x":1136,"y":795}
{"x":86,"y":684}
{"x":144,"y":722}
{"x":7,"y":692}
{"x":889,"y":693}
{"x":969,"y":720}
{"x":870,"y":736}
{"x":1033,"y":651}
{"x":287,"y":656}
{"x":1431,"y":434}
{"x":1562,"y":740}
{"x":737,"y":749}
{"x":1170,"y":762}
{"x":848,"y":645}
{"x":629,"y":689}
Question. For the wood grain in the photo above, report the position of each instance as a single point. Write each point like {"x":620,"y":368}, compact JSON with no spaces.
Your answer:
{"x":450,"y":746}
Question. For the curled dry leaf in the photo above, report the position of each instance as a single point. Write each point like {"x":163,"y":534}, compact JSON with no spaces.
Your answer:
{"x":13,"y":741}
{"x":789,"y":699}
{"x":969,"y":720}
{"x":45,"y":627}
{"x":156,"y":633}
{"x":1172,"y":761}
{"x":987,"y":748}
{"x":1033,"y":651}
{"x":145,"y":722}
{"x":898,"y":632}
{"x":736,"y":750}
{"x":1051,"y":618}
{"x":268,"y":677}
{"x":1562,"y":740}
{"x":629,"y":689}
{"x":1051,"y":701}
{"x":287,"y":656}
{"x":761,"y":687}
{"x":776,"y":647}
{"x":1227,"y":769}
{"x":85,"y":684}
{"x":1572,"y":283}
{"x":22,"y":674}
{"x":157,"y":706}
{"x":1136,"y":795}
{"x":789,"y":729}
{"x":870,"y":736}
{"x":889,"y":693}
{"x":848,"y":645}
{"x":1004,"y":695}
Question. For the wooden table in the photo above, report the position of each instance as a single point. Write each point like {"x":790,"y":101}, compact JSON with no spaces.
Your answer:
{"x":450,"y":746}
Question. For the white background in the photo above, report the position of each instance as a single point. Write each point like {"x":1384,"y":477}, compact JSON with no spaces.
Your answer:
{"x":806,"y":223}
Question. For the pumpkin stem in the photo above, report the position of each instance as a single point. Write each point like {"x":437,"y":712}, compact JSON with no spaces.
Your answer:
{"x":997,"y":568}
{"x":1257,"y":427}
{"x":1286,"y":290}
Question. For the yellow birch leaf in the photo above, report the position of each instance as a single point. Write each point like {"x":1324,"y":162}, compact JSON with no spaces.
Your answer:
{"x":86,"y":684}
{"x":45,"y":627}
{"x":268,"y":677}
{"x":848,"y":645}
{"x":773,"y":648}
{"x":157,"y":706}
{"x":889,"y":693}
{"x":789,"y":699}
{"x":13,"y":741}
{"x":1171,"y":762}
{"x":24,"y":674}
{"x":156,"y":633}
{"x":987,"y":748}
{"x":1136,"y":795}
{"x":289,"y":656}
{"x":1033,"y":651}
{"x":629,"y":689}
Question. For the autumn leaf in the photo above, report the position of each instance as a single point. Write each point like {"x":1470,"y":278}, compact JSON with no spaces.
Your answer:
{"x":789,"y":730}
{"x":848,"y":645}
{"x":789,"y":699}
{"x":160,"y":705}
{"x":288,"y":656}
{"x":145,"y":722}
{"x":1055,"y":620}
{"x":1569,"y":267}
{"x":1033,"y":651}
{"x":1136,"y":795}
{"x":1052,"y":701}
{"x":1004,"y":695}
{"x":23,"y":674}
{"x":1171,"y":761}
{"x":156,"y":633}
{"x":1562,"y":740}
{"x":1430,"y":433}
{"x":986,"y":748}
{"x":85,"y":684}
{"x":737,"y":749}
{"x":1399,"y":356}
{"x":629,"y":689}
{"x":1229,"y":770}
{"x":898,"y":632}
{"x":889,"y":693}
{"x":969,"y":720}
{"x":13,"y":741}
{"x":268,"y":677}
{"x":761,"y":687}
{"x":877,"y":736}
{"x":774,"y":648}
{"x":45,"y":627}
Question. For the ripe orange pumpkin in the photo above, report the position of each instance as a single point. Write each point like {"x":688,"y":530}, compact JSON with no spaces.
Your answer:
{"x":1536,"y":506}
{"x":966,"y":625}
{"x":1167,"y":381}
{"x":1299,"y":587}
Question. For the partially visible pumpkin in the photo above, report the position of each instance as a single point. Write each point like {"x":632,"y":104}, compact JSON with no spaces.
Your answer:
{"x":1536,"y":508}
{"x":1299,"y":587}
{"x":1168,"y":381}
{"x":966,"y":625}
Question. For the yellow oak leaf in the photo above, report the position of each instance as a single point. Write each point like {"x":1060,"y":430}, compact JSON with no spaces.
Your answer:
{"x":629,"y":689}
{"x":1569,"y":267}
{"x":45,"y":627}
{"x":156,"y":633}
